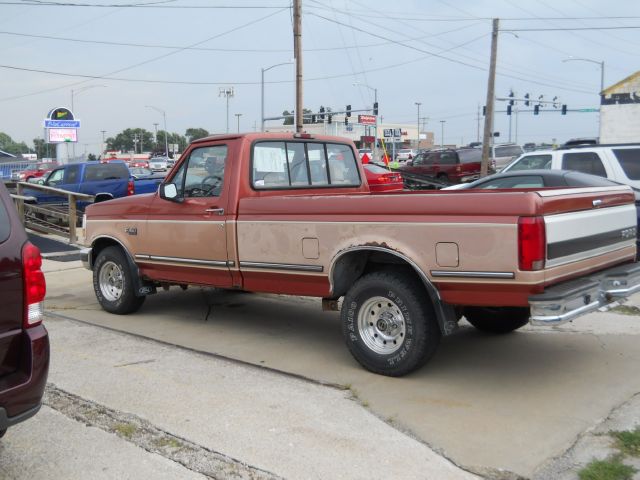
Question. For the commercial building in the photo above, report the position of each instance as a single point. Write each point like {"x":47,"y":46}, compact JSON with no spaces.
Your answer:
{"x":620,"y":111}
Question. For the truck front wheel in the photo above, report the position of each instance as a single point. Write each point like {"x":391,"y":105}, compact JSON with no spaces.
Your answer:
{"x":113,"y":282}
{"x":497,"y":320}
{"x":388,"y":327}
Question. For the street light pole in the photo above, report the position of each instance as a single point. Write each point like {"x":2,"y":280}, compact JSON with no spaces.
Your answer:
{"x":103,"y":145}
{"x":238,"y":115}
{"x":442,"y":122}
{"x":262,"y":90}
{"x":601,"y":63}
{"x":166,"y":134}
{"x":418,"y":136}
{"x":73,"y":93}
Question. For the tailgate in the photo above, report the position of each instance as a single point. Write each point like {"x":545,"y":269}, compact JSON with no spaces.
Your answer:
{"x":589,"y":226}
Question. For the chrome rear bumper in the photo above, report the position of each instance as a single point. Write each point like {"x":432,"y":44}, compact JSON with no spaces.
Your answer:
{"x":563,"y":302}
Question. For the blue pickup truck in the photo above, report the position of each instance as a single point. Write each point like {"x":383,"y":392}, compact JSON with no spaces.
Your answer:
{"x":103,"y":180}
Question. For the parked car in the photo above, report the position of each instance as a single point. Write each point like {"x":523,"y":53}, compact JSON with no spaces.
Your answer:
{"x":405,"y":154}
{"x":24,"y":341}
{"x":382,"y":180}
{"x":620,"y":163}
{"x":139,"y":164}
{"x":452,"y":166}
{"x":546,"y":178}
{"x":35,"y":170}
{"x":159,"y":164}
{"x":503,"y":154}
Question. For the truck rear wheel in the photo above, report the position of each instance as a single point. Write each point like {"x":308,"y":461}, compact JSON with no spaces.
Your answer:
{"x":497,"y":319}
{"x":387,"y":325}
{"x":113,"y":282}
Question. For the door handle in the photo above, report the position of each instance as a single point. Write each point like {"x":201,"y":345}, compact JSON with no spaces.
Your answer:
{"x":219,"y":211}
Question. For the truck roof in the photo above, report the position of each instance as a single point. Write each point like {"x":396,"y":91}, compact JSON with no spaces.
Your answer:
{"x":272,"y":136}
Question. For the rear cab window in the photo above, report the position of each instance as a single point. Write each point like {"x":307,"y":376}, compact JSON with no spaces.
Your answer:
{"x":289,"y":165}
{"x":470,"y":156}
{"x":106,"y":171}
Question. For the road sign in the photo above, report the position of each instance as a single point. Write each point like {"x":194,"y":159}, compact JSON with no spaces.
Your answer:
{"x":388,"y":132}
{"x":367,"y":119}
{"x":61,"y":123}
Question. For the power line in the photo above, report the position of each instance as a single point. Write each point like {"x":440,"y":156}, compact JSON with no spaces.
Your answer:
{"x":565,"y":29}
{"x":142,"y":5}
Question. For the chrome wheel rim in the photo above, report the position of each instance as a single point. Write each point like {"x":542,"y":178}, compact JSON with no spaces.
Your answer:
{"x":111,"y":281}
{"x":381,"y":325}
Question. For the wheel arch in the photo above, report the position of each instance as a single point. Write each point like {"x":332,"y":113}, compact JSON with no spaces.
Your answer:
{"x":350,"y":264}
{"x":102,"y":197}
{"x":142,"y":287}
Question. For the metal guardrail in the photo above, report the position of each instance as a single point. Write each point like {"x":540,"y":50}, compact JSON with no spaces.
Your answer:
{"x":60,"y":219}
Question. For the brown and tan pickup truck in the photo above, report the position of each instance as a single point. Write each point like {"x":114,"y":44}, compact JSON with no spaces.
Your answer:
{"x":292,"y":214}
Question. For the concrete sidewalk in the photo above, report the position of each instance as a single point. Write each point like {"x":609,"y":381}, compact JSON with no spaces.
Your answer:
{"x":271,"y":424}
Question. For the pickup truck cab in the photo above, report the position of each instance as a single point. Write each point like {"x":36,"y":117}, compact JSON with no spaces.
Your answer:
{"x":293,"y":214}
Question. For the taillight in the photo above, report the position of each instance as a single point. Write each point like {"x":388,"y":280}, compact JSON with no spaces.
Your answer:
{"x":131,"y":189}
{"x":34,"y":284}
{"x":532,"y":240}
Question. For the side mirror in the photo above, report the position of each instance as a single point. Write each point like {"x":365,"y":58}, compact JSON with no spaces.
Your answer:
{"x":40,"y":182}
{"x":168,"y":191}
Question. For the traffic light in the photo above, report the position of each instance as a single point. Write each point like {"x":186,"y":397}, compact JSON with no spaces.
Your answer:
{"x":555,"y":105}
{"x":348,"y":110}
{"x":511,"y":102}
{"x":508,"y":109}
{"x":564,"y":109}
{"x":328,"y":118}
{"x":484,"y":110}
{"x":313,"y":119}
{"x":321,"y":112}
{"x":526,"y":100}
{"x":375,"y":108}
{"x":346,"y":120}
{"x":536,"y":109}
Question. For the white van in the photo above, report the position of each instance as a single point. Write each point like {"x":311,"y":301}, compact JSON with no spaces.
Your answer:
{"x":502,"y":154}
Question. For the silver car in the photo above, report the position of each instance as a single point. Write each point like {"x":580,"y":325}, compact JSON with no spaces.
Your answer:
{"x":159,"y":164}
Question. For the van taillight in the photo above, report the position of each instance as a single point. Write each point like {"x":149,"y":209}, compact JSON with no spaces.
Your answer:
{"x":532,"y":243}
{"x":34,"y":284}
{"x":131,"y":189}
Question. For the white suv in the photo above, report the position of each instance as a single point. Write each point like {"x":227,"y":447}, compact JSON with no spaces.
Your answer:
{"x":620,"y":163}
{"x":502,"y":154}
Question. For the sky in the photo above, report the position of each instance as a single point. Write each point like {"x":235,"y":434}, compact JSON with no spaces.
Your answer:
{"x":126,"y":61}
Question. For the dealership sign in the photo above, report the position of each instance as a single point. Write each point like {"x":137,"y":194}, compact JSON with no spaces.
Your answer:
{"x":61,"y":126}
{"x":367,"y":119}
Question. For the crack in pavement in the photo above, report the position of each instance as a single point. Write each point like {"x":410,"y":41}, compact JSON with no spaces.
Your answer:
{"x":147,"y":436}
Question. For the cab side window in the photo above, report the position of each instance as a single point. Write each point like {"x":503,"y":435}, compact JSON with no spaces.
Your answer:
{"x":202,"y":174}
{"x":585,"y":162}
{"x":55,"y":177}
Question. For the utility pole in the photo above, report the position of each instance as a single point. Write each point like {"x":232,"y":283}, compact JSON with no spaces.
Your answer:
{"x":238,"y":115}
{"x":226,"y":92}
{"x":488,"y":119}
{"x":103,"y":145}
{"x":297,"y":49}
{"x":155,"y":138}
{"x":478,"y":122}
{"x":417,"y":104}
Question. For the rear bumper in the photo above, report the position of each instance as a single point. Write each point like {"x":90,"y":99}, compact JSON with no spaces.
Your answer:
{"x":566,"y":301}
{"x":21,"y":392}
{"x":85,"y":257}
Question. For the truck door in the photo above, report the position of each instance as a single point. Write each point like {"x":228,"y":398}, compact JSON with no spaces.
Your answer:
{"x":185,"y":239}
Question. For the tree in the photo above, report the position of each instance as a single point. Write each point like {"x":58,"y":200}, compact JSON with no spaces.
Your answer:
{"x":40,"y":147}
{"x":172,"y":139}
{"x":131,"y":139}
{"x":288,"y":120}
{"x":195,"y":133}
{"x":8,"y":145}
{"x":92,"y":157}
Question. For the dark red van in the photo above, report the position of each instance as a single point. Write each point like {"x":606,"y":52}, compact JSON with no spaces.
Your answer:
{"x":453,"y":166}
{"x":24,"y":342}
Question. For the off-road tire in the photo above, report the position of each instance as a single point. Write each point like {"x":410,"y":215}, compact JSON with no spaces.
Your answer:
{"x":113,"y":282}
{"x":404,"y":333}
{"x":498,"y":320}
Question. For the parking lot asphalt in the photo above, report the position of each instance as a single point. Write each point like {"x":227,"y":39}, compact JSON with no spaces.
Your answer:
{"x":489,"y":403}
